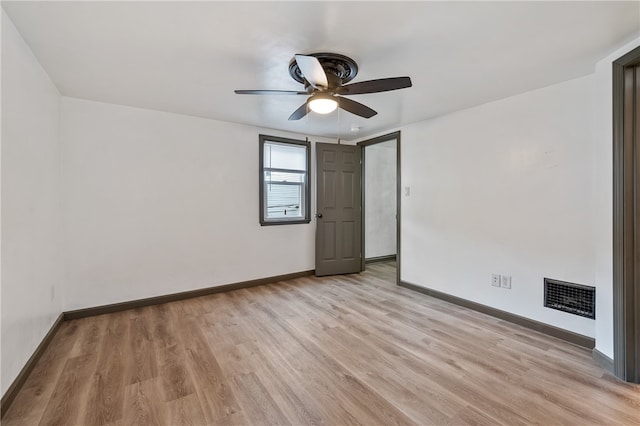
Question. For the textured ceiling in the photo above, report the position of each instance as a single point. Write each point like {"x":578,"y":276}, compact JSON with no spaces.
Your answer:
{"x":187,"y":57}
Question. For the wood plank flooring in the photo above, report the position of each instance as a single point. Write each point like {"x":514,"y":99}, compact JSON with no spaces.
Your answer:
{"x":346,"y":350}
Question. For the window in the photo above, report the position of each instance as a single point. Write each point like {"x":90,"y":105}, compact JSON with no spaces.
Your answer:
{"x":284,"y":181}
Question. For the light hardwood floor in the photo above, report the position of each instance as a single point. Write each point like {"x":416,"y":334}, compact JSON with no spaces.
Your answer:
{"x":339,"y":350}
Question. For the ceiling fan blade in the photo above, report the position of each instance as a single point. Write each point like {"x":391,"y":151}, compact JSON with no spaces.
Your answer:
{"x":312,"y":70}
{"x":355,"y":107}
{"x":300,"y":112}
{"x":269,"y":92}
{"x":375,"y":86}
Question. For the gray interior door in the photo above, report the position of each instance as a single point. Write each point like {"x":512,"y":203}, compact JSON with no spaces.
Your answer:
{"x":338,"y":228}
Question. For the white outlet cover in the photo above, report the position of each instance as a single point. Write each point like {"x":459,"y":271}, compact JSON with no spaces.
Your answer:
{"x":505,"y":281}
{"x":495,"y":280}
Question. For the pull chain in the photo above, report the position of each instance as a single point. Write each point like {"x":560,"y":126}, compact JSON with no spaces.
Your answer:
{"x":338,"y":130}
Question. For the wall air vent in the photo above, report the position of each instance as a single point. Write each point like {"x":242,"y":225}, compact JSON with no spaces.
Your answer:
{"x":575,"y":299}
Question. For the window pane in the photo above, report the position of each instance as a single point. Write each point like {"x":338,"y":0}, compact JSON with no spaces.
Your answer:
{"x":285,"y":156}
{"x":284,"y":200}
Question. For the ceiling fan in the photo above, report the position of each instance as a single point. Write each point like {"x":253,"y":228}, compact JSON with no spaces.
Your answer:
{"x":324,"y":76}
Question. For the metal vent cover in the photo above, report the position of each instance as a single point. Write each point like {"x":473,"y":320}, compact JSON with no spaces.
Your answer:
{"x":572,"y":298}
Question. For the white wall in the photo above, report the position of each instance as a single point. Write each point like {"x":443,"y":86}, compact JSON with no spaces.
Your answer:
{"x":380,"y":199}
{"x":506,"y":188}
{"x":604,"y":199}
{"x":158,"y":203}
{"x":30,"y":203}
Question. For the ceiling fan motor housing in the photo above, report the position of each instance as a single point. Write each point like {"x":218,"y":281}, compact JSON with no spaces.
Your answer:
{"x":339,"y":69}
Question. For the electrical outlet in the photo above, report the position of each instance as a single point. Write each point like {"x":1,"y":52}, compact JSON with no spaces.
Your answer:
{"x":505,"y":282}
{"x":495,"y":280}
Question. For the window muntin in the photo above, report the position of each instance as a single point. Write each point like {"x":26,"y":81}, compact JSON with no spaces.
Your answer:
{"x":284,"y":180}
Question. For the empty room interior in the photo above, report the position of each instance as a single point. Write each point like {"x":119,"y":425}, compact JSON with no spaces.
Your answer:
{"x":352,"y":212}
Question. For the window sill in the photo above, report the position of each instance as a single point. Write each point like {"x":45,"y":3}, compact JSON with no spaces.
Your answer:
{"x":284,"y":222}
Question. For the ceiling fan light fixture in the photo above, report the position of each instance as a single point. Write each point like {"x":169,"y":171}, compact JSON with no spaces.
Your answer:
{"x":322,"y":103}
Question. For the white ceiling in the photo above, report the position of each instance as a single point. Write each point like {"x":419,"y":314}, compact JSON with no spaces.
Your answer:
{"x":188,"y":57}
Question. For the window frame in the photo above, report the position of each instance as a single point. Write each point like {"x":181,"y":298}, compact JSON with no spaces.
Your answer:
{"x":306,"y":187}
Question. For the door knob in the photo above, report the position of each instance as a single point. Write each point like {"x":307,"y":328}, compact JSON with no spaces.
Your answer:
{"x":319,"y":215}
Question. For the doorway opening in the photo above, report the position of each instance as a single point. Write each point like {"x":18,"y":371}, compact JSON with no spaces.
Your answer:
{"x":381,"y":201}
{"x":626,"y":216}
